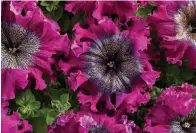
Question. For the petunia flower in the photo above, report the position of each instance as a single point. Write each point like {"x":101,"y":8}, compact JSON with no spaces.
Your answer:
{"x":92,"y":122}
{"x":19,"y":7}
{"x":98,"y":9}
{"x":28,"y":43}
{"x":12,"y":123}
{"x":173,"y":112}
{"x":104,"y":60}
{"x":65,"y":123}
{"x":175,"y":24}
{"x":86,"y":121}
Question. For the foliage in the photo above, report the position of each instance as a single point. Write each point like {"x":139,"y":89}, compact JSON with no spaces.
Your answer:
{"x":42,"y":108}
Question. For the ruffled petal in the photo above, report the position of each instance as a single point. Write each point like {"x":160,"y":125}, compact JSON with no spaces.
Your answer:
{"x":163,"y":21}
{"x":11,"y":81}
{"x":50,"y":42}
{"x":77,"y":79}
{"x":173,"y":102}
{"x":134,"y":99}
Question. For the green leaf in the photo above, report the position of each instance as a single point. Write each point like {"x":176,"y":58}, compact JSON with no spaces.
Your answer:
{"x":194,"y":81}
{"x":35,"y":105}
{"x":172,"y":70}
{"x":64,"y":23}
{"x":151,"y":7}
{"x":54,"y":85}
{"x":50,"y":5}
{"x":27,"y":104}
{"x":185,"y":63}
{"x":55,"y":2}
{"x":51,"y":116}
{"x":31,"y":110}
{"x":64,"y":98}
{"x":24,"y":98}
{"x":39,"y":124}
{"x":142,"y":12}
{"x":55,"y":94}
{"x":186,"y":74}
{"x":155,"y":92}
{"x":52,"y":2}
{"x":65,"y":102}
{"x":44,"y":111}
{"x":44,"y":3}
{"x":30,"y":107}
{"x":56,"y":104}
{"x":56,"y":14}
{"x":73,"y":101}
{"x":63,"y":105}
{"x":49,"y":8}
{"x":78,"y":16}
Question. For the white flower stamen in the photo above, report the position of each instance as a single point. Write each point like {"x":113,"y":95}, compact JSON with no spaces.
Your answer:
{"x":18,"y":46}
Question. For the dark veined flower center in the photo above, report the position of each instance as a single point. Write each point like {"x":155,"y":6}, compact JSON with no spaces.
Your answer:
{"x":193,"y":26}
{"x":17,"y":46}
{"x":185,"y":20}
{"x":98,"y":129}
{"x":111,"y":65}
{"x":185,"y":124}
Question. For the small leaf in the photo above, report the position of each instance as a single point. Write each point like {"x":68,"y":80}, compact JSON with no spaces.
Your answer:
{"x":34,"y":105}
{"x":24,"y":98}
{"x":151,"y":7}
{"x":39,"y":124}
{"x":44,"y":3}
{"x":155,"y":92}
{"x":44,"y":111}
{"x":185,"y":63}
{"x":55,"y":2}
{"x":55,"y":94}
{"x":50,"y":5}
{"x":78,"y":16}
{"x":64,"y":23}
{"x":31,"y":110}
{"x":56,"y":104}
{"x":49,"y":8}
{"x":56,"y":14}
{"x":142,"y":12}
{"x":51,"y":116}
{"x":172,"y":70}
{"x":64,"y":98}
{"x":28,"y":106}
{"x":186,"y":73}
{"x":63,"y":105}
{"x":52,"y":2}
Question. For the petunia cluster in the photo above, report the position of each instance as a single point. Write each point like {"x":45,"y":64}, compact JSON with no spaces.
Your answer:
{"x":98,"y":66}
{"x":174,"y":111}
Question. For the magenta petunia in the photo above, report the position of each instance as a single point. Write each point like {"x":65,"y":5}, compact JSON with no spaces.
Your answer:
{"x":29,"y":40}
{"x":175,"y":24}
{"x":19,"y":7}
{"x":12,"y":123}
{"x":173,"y":112}
{"x":104,"y":60}
{"x":75,"y":6}
{"x":98,"y":9}
{"x":132,"y":100}
{"x":86,"y":121}
{"x":92,"y":122}
{"x":130,"y":126}
{"x":65,"y":123}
